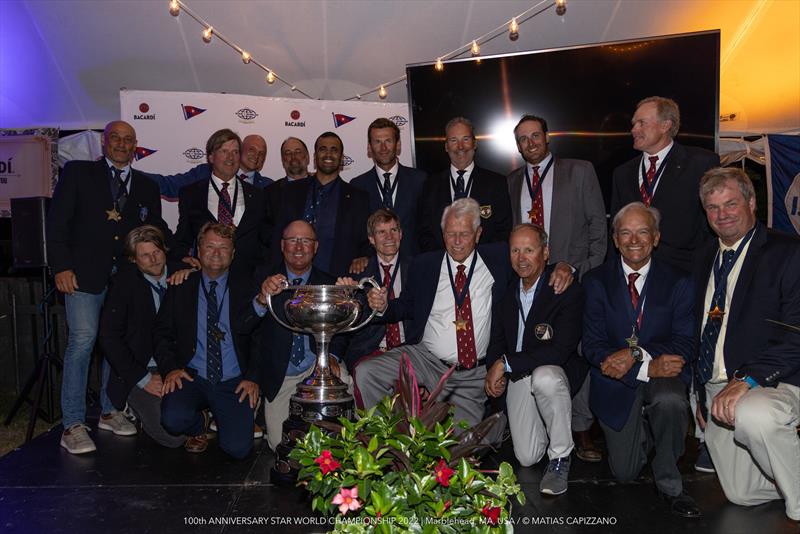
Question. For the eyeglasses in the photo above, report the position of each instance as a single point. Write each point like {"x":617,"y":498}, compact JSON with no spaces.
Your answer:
{"x":305,"y":241}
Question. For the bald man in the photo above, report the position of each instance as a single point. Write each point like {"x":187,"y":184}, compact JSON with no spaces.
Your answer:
{"x":252,"y":157}
{"x":95,"y":205}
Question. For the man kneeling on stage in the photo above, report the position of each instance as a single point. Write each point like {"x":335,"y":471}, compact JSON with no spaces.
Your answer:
{"x":535,"y":336}
{"x":205,"y":362}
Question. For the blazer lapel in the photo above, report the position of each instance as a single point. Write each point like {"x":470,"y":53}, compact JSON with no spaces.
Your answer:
{"x":746,"y":273}
{"x":559,"y":218}
{"x":668,"y":184}
{"x":403,"y":197}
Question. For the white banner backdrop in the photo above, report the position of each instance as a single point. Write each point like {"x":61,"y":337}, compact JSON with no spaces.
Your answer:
{"x":172,"y":128}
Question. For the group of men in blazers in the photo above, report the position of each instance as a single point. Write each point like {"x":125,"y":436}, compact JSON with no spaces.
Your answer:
{"x":508,"y":280}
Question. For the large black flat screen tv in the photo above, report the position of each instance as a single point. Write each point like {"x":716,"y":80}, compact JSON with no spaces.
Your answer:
{"x":586,"y":93}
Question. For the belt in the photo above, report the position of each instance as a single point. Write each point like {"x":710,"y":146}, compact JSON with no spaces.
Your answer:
{"x":460,"y":367}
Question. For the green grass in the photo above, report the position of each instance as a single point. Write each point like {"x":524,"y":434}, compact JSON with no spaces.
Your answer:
{"x":13,"y":436}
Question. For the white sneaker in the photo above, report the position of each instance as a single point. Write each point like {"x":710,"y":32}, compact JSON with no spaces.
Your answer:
{"x":117,"y":423}
{"x":76,"y":439}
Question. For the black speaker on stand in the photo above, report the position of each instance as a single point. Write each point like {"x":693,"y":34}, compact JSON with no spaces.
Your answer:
{"x":29,"y":249}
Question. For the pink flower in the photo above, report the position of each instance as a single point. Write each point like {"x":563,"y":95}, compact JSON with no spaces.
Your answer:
{"x":443,"y":473}
{"x":327,"y":463}
{"x":347,"y":499}
{"x":492,"y":514}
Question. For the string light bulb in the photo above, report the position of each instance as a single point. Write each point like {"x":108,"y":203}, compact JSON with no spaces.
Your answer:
{"x":439,"y":65}
{"x":561,"y":7}
{"x":245,"y":57}
{"x":270,"y":77}
{"x":382,"y":92}
{"x":513,"y":29}
{"x":207,"y":34}
{"x":475,"y":48}
{"x":174,"y":8}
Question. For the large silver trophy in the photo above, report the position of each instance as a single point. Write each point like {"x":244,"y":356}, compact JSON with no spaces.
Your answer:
{"x":322,"y":311}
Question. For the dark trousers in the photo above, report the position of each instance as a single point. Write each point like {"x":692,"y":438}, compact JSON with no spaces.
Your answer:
{"x":659,"y":418}
{"x":181,"y":413}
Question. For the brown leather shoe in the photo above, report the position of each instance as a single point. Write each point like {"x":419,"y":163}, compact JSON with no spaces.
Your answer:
{"x":198,"y":444}
{"x":585,"y":448}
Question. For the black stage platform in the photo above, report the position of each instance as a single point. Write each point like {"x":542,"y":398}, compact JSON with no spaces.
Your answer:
{"x":133,"y":485}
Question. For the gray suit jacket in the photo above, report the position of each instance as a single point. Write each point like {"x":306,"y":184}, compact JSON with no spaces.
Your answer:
{"x":578,"y":232}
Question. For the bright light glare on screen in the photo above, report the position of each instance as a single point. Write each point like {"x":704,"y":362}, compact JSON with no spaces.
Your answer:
{"x":501,"y":135}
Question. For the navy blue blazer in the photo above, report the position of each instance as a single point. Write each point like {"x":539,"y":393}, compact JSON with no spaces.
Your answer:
{"x":171,"y":185}
{"x":417,"y":298}
{"x":409,"y":187}
{"x":563,"y":313}
{"x":251,"y":238}
{"x":368,"y":339}
{"x":80,"y":235}
{"x":350,"y":235}
{"x":768,"y":287}
{"x":667,"y":328}
{"x":489,"y":189}
{"x":684,"y":228}
{"x":273,"y":340}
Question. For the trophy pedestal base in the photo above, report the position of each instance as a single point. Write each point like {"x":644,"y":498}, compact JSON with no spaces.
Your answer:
{"x":311,"y":403}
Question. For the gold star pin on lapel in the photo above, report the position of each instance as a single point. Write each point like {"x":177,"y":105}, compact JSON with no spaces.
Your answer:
{"x":113,"y":215}
{"x":716,"y":314}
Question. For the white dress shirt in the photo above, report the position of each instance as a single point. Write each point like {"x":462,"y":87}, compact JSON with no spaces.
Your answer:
{"x":662,"y":155}
{"x":397,"y":286}
{"x":525,"y":202}
{"x":643,"y":272}
{"x":213,"y":198}
{"x":720,"y":374}
{"x":440,"y":332}
{"x":454,"y":176}
{"x":392,"y":179}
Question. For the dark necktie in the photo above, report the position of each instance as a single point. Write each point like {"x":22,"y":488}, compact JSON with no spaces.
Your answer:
{"x":710,"y":334}
{"x":459,"y":192}
{"x":465,"y":335}
{"x":537,"y":204}
{"x":312,"y":203}
{"x":392,"y":329}
{"x":224,"y":215}
{"x":161,"y":290}
{"x":649,"y":177}
{"x":298,"y":345}
{"x":387,"y":191}
{"x":213,"y":342}
{"x":243,"y":177}
{"x":118,"y":188}
{"x":634,"y":293}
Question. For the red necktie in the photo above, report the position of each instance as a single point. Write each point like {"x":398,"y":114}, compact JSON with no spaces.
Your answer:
{"x":465,"y":335}
{"x":634,"y":295}
{"x":650,"y":176}
{"x":536,"y":214}
{"x":224,"y":215}
{"x":392,"y":329}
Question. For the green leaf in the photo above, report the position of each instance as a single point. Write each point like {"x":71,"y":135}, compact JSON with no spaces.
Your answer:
{"x":373,"y":444}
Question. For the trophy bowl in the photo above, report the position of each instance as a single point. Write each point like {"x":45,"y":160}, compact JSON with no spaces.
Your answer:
{"x":322,"y":311}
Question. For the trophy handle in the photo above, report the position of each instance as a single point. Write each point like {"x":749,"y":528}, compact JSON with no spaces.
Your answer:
{"x":285,"y":284}
{"x":361,"y":284}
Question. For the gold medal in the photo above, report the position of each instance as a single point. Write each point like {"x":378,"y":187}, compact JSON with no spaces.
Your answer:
{"x":460,"y":323}
{"x":217,"y":333}
{"x":632,"y":341}
{"x":113,"y":215}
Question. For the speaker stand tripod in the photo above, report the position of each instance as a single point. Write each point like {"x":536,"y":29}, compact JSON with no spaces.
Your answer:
{"x":43,"y":375}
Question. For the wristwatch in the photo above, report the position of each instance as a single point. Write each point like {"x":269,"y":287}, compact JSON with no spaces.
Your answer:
{"x":741,"y":376}
{"x":638,"y":355}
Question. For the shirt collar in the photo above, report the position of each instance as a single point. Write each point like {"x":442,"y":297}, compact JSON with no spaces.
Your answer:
{"x":222,"y":280}
{"x":661,"y":153}
{"x":125,"y":170}
{"x":392,"y":171}
{"x":157,"y":281}
{"x":455,"y":264}
{"x":542,"y":164}
{"x":392,"y":261}
{"x":218,"y":182}
{"x":522,"y":290}
{"x":468,"y":170}
{"x":291,"y":275}
{"x":723,"y":247}
{"x":642,"y":272}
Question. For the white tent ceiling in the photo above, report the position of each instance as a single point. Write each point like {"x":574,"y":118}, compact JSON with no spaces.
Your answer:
{"x":63,"y":62}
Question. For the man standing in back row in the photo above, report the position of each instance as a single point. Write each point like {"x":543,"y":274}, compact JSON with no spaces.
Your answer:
{"x":665,"y":176}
